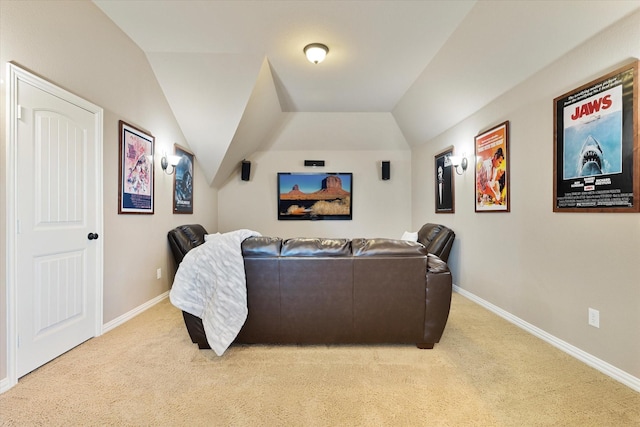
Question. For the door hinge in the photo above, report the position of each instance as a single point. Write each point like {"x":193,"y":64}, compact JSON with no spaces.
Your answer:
{"x":18,"y":227}
{"x":19,"y":112}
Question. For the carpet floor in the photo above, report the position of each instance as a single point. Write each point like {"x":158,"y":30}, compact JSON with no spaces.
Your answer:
{"x":484,"y":372}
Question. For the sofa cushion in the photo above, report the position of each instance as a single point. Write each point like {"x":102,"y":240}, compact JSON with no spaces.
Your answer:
{"x":261,"y":246}
{"x":387,"y":247}
{"x":314,"y":246}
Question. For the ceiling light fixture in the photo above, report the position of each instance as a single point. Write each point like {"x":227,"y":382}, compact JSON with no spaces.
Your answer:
{"x":316,"y":52}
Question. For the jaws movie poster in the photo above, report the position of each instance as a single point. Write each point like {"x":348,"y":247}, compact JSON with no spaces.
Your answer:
{"x":595,"y":149}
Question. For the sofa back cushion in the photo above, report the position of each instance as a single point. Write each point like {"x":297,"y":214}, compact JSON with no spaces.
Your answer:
{"x":315,"y":247}
{"x":261,"y":246}
{"x":386,"y":247}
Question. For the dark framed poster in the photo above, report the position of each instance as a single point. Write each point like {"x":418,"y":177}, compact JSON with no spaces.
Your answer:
{"x":135,"y":195}
{"x":183,"y":182}
{"x":492,"y":170}
{"x":445,"y":196}
{"x":596,"y":157}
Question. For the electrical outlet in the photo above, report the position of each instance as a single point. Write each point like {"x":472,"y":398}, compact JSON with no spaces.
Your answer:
{"x":159,"y":273}
{"x":594,"y":317}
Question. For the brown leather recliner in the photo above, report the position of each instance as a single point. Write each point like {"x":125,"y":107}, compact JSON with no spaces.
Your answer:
{"x":438,"y":240}
{"x":323,"y":291}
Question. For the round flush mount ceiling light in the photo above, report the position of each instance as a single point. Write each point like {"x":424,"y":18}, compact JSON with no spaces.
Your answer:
{"x":316,"y":52}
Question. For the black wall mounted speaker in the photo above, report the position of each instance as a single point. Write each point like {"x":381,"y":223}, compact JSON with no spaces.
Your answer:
{"x":386,"y":170}
{"x":246,"y":170}
{"x":314,"y":162}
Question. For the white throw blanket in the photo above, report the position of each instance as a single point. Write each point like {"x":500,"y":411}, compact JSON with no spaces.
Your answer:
{"x":210,"y":283}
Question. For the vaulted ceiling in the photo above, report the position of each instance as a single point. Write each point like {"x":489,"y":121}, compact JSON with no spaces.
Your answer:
{"x":232,"y":69}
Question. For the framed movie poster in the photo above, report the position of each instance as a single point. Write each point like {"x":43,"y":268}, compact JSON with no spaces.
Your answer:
{"x":135,"y":195}
{"x":596,"y":157}
{"x":183,"y":182}
{"x":445,"y":200}
{"x":492,"y":170}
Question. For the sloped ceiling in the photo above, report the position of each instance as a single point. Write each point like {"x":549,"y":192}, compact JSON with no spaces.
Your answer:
{"x":428,"y":63}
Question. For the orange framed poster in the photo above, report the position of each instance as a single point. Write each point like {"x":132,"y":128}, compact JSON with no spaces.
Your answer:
{"x":492,"y":170}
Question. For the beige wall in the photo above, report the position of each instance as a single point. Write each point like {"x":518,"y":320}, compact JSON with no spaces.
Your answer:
{"x":347,"y":142}
{"x":74,"y":45}
{"x":380,"y":208}
{"x":546,"y":268}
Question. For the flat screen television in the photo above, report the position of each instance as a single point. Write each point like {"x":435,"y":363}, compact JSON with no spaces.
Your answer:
{"x":314,"y":196}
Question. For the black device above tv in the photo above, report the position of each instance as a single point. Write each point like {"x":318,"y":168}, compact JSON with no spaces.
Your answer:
{"x":314,"y":196}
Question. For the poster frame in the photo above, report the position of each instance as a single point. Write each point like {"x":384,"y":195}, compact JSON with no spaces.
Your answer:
{"x":135,"y":170}
{"x":618,"y":188}
{"x":445,"y":200}
{"x":492,"y":157}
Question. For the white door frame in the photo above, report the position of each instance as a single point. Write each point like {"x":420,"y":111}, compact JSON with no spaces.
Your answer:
{"x":14,"y":75}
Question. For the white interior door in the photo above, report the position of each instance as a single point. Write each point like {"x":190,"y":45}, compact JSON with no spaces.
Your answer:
{"x":58,"y":251}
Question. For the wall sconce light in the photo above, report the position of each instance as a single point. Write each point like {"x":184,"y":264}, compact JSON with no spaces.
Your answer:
{"x":167,"y":161}
{"x":459,"y":161}
{"x":316,"y":52}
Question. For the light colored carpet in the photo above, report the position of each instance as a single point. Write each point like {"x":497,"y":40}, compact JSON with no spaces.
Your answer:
{"x":484,"y":372}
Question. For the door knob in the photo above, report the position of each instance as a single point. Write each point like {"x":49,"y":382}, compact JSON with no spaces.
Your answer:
{"x":92,"y":236}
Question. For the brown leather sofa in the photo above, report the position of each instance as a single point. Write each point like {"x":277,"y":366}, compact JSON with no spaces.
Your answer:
{"x":331,"y":291}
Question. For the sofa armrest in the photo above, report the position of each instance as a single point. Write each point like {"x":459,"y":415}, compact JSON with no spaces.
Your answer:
{"x":438,"y":299}
{"x":436,"y":265}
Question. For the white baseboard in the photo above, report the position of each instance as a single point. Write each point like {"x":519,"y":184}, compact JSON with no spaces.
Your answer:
{"x":602,"y":366}
{"x":133,"y":313}
{"x":4,"y":385}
